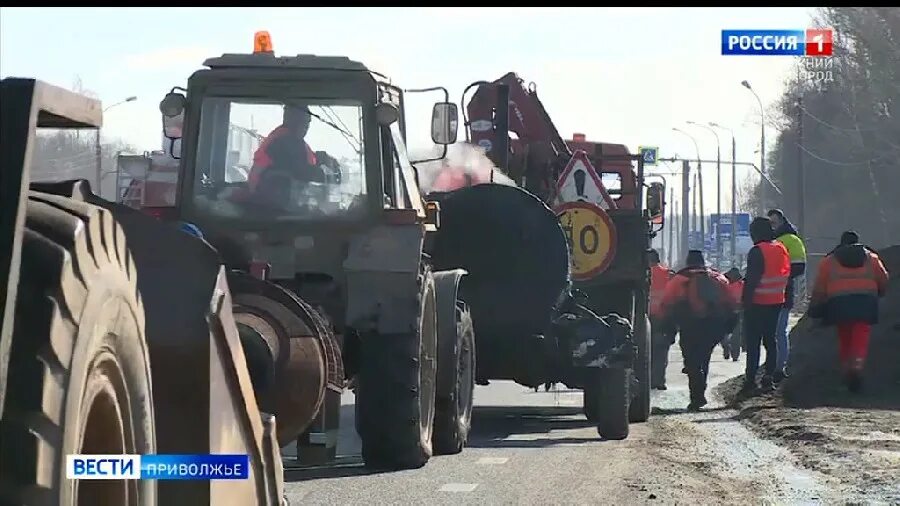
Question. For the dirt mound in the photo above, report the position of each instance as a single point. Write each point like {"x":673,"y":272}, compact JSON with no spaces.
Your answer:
{"x":815,"y":378}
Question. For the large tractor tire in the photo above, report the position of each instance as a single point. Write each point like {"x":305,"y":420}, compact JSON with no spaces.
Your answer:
{"x":591,"y":401}
{"x":607,"y":398}
{"x":396,"y":391}
{"x":79,"y":376}
{"x":640,"y":403}
{"x":456,"y":380}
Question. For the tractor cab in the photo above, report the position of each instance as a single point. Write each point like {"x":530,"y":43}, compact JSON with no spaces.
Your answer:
{"x":303,"y":151}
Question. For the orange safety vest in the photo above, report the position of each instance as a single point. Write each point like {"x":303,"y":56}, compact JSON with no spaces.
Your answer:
{"x":659,"y":278}
{"x":736,"y":289}
{"x":776,"y":270}
{"x":262,"y":160}
{"x":851,"y":281}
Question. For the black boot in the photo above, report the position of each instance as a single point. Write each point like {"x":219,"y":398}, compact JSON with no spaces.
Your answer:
{"x":697,"y":386}
{"x":748,"y":388}
{"x":854,"y":381}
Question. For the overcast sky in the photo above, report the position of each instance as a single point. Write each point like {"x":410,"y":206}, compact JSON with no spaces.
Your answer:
{"x":622,"y":75}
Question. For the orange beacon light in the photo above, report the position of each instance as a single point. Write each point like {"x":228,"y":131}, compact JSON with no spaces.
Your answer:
{"x":262,"y":42}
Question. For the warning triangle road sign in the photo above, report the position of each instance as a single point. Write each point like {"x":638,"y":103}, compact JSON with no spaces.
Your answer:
{"x":580,"y":181}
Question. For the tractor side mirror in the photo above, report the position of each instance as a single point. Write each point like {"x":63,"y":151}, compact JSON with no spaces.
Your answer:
{"x":172,"y":109}
{"x":444,"y":123}
{"x":656,"y":203}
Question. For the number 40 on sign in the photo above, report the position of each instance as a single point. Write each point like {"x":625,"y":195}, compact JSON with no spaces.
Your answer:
{"x":591,"y":236}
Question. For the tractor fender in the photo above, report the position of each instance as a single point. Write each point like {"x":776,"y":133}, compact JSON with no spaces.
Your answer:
{"x":382,"y":268}
{"x":446,"y":286}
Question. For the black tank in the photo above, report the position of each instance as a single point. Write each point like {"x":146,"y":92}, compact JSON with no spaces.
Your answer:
{"x":515,"y":251}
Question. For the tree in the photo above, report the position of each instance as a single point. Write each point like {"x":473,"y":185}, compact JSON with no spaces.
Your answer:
{"x":850,"y":143}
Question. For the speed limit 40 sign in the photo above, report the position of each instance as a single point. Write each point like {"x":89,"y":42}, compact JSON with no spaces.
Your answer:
{"x":592,"y":238}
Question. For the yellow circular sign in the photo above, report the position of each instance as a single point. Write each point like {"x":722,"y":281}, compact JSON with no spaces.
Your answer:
{"x":592,"y":238}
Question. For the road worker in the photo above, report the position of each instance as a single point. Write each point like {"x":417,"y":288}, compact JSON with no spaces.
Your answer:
{"x":768,"y":269}
{"x":787,"y":234}
{"x":732,"y":344}
{"x":697,"y":302}
{"x":286,"y":151}
{"x":661,"y":340}
{"x":848,"y":283}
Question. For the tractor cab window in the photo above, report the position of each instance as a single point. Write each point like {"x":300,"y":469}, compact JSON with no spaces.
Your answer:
{"x":291,"y":159}
{"x":612,"y":181}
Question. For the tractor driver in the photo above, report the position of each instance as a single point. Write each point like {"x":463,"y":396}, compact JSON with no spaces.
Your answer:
{"x":285,"y":151}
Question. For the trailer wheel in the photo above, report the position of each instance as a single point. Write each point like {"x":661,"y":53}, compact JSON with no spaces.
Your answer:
{"x":640,"y":404}
{"x":453,"y":408}
{"x":396,"y":390}
{"x":79,"y":371}
{"x":608,"y":389}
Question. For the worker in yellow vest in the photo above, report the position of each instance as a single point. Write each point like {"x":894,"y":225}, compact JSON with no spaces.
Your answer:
{"x":786,"y":234}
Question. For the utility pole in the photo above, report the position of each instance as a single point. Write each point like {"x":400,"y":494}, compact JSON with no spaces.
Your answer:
{"x":672,"y":204}
{"x":733,"y":201}
{"x":718,"y":191}
{"x":685,"y":206}
{"x":696,"y":202}
{"x":801,"y":177}
{"x":762,"y":133}
{"x":733,"y":240}
{"x":676,"y":223}
{"x":699,"y":185}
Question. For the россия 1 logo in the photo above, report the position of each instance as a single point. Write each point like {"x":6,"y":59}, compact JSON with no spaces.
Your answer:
{"x":809,"y":42}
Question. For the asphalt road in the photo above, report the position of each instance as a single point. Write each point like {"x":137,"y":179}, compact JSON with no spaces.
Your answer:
{"x":536,"y":448}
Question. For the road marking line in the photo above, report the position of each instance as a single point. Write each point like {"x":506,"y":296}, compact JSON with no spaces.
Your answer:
{"x":459,"y":487}
{"x":521,"y":437}
{"x":492,"y":460}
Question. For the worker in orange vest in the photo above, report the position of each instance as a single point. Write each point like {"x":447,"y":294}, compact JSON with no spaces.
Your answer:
{"x":731,"y":345}
{"x":697,"y":302}
{"x":286,"y":152}
{"x":848,"y":284}
{"x":661,"y":339}
{"x":765,"y":282}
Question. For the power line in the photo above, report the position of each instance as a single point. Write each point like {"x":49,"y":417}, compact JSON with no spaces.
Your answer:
{"x":832,"y":162}
{"x":875,"y":131}
{"x":829,"y":125}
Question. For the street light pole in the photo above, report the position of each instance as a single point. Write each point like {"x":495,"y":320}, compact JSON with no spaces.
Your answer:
{"x":718,"y":193}
{"x":672,"y":204}
{"x":762,"y":132}
{"x":733,"y":193}
{"x":98,"y":153}
{"x":699,"y":182}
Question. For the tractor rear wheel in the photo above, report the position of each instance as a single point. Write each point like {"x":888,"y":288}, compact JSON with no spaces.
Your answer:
{"x":608,"y":389}
{"x":453,"y":409}
{"x":79,"y":370}
{"x":640,"y":403}
{"x":396,"y":391}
